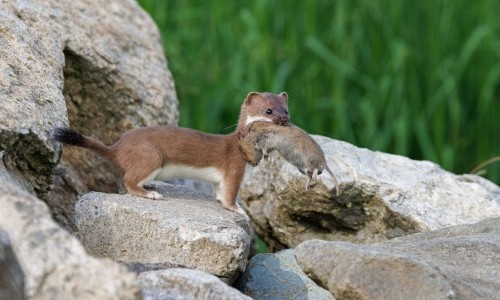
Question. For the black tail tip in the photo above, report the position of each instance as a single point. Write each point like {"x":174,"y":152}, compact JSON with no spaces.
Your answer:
{"x":67,"y":136}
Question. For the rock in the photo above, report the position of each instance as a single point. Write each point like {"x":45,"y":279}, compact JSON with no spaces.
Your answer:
{"x":184,"y":229}
{"x":198,"y":185}
{"x":31,"y":95}
{"x":278,"y":276}
{"x":54,"y":263}
{"x":11,"y":274}
{"x":459,"y":262}
{"x":99,"y":65}
{"x":178,"y":283}
{"x":206,"y":189}
{"x":358,"y":272}
{"x":387,"y":196}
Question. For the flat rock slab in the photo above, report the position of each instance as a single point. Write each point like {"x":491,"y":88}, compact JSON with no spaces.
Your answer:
{"x":382,"y":196}
{"x":459,"y":262}
{"x":175,"y":284}
{"x":184,"y":229}
{"x":278,"y":276}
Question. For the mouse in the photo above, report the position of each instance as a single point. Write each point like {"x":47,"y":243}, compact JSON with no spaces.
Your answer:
{"x":294,"y":144}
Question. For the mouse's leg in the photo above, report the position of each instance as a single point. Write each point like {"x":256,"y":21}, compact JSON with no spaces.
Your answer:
{"x":314,"y":176}
{"x":256,"y":157}
{"x":252,"y":154}
{"x":265,"y":153}
{"x":311,"y":178}
{"x":308,"y":182}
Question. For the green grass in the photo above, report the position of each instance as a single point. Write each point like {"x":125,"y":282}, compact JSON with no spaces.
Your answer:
{"x":416,"y":78}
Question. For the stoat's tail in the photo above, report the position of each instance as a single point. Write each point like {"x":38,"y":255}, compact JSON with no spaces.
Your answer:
{"x":71,"y":137}
{"x":335,"y":181}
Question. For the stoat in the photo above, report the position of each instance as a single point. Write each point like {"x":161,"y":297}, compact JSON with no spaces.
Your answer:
{"x":294,"y":144}
{"x":166,"y":152}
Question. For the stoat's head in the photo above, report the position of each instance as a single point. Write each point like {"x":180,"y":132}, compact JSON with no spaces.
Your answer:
{"x":265,"y":107}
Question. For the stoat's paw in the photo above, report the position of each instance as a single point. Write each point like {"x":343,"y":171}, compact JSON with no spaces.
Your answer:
{"x":237,"y":208}
{"x":154,"y":195}
{"x":240,"y":210}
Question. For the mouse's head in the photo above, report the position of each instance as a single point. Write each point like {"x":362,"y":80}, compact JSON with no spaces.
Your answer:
{"x":265,"y":107}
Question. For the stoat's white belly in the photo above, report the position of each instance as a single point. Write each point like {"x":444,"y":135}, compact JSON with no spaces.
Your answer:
{"x":209,"y":174}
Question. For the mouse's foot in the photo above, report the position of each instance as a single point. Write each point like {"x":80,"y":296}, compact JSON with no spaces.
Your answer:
{"x":309,"y":186}
{"x":310,"y":183}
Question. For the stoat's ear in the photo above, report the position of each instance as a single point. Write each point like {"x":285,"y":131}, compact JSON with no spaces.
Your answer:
{"x":284,"y":96}
{"x":251,"y":96}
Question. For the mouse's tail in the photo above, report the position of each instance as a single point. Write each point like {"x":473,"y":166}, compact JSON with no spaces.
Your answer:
{"x":71,"y":137}
{"x":335,"y":181}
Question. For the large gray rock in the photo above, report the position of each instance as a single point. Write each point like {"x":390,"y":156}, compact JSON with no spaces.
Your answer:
{"x":11,"y":274}
{"x":382,"y":196}
{"x":178,"y":284}
{"x":97,"y":64}
{"x":54,"y":263}
{"x":459,"y":262}
{"x":278,"y":276}
{"x":184,"y":229}
{"x":32,"y":103}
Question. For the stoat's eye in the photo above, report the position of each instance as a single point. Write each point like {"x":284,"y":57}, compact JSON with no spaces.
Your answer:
{"x":269,"y":111}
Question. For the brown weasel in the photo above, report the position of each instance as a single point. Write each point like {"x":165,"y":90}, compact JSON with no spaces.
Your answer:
{"x":294,"y":144}
{"x":165,"y":152}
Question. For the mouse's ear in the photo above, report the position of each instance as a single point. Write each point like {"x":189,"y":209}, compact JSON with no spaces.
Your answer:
{"x":284,"y":96}
{"x":251,"y":96}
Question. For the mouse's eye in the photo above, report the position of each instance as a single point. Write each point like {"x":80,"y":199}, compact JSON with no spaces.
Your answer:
{"x":286,"y":112}
{"x":269,"y":111}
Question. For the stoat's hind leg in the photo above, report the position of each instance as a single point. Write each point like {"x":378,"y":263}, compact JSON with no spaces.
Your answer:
{"x":138,"y":172}
{"x":137,"y":188}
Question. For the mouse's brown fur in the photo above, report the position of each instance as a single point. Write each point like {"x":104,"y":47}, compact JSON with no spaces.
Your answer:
{"x":293,"y":143}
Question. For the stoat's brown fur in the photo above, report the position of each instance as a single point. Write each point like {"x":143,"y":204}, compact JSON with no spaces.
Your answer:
{"x":165,"y":152}
{"x":295,"y":145}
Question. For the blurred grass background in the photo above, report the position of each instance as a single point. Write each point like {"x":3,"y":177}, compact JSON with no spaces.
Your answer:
{"x":415,"y":78}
